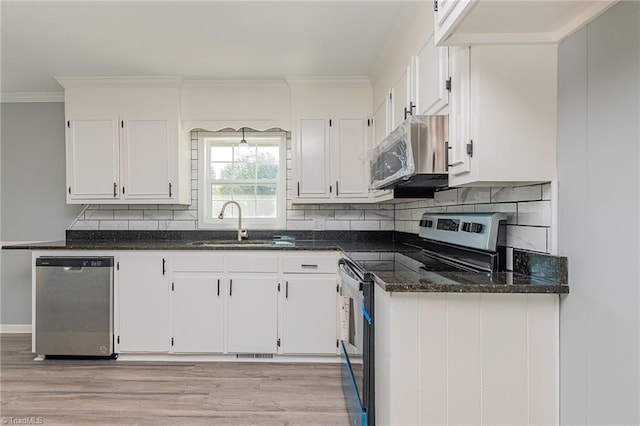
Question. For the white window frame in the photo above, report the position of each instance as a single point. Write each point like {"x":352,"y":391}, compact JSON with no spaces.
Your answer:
{"x":208,"y":219}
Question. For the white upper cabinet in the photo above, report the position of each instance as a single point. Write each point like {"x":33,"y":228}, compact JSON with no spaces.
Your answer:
{"x":471,"y":22}
{"x":124,"y":143}
{"x":144,"y":141}
{"x":432,"y":84}
{"x":330,"y":141}
{"x":381,"y":121}
{"x":503,"y":115}
{"x":458,"y":158}
{"x":423,"y":87}
{"x":330,"y":158}
{"x":349,"y":145}
{"x":381,"y":129}
{"x":402,"y":97}
{"x":93,"y":159}
{"x":312,"y":158}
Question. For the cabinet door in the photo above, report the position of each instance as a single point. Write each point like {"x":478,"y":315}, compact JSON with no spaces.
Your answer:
{"x":400,"y":98}
{"x":350,"y":171}
{"x":380,"y":131}
{"x":252,"y":319}
{"x":432,"y":72}
{"x":309,"y":315}
{"x":313,"y":158}
{"x":198,"y":313}
{"x":449,"y":14}
{"x":381,"y":122}
{"x":92,"y":159}
{"x":143,"y":303}
{"x":147,"y":160}
{"x":459,"y":160}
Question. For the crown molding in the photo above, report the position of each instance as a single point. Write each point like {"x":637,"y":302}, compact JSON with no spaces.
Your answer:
{"x":208,"y":84}
{"x":77,"y":82}
{"x":6,"y":97}
{"x":354,"y":81}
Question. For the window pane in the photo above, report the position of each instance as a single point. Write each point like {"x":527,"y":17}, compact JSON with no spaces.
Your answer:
{"x":251,"y":172}
{"x":222,"y":171}
{"x":269,"y":154}
{"x":269,"y":191}
{"x":245,"y":171}
{"x":244,"y":154}
{"x":257,"y":201}
{"x":268,"y":159}
{"x":221,"y":153}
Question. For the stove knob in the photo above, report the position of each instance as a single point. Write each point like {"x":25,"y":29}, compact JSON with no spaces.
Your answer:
{"x":425,"y":223}
{"x":466,"y":226}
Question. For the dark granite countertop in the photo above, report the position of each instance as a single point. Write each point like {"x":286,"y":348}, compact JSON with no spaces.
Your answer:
{"x":466,"y":282}
{"x":402,"y":272}
{"x":168,"y":245}
{"x":393,"y":266}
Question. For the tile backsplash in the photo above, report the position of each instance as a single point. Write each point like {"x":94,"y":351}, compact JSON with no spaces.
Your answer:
{"x":528,"y":209}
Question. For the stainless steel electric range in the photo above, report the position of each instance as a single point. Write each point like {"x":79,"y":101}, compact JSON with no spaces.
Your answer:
{"x":448,"y":246}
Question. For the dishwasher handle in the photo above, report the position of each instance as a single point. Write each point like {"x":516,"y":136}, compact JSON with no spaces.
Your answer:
{"x":74,"y":262}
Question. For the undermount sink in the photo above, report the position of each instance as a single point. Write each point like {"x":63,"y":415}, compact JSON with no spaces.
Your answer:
{"x":244,"y":243}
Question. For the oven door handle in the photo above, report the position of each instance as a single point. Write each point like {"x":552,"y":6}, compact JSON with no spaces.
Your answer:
{"x":366,"y":315}
{"x":348,"y":267}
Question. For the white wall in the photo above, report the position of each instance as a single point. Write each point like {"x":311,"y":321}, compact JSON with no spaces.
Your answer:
{"x":599,"y":225}
{"x":404,"y":43}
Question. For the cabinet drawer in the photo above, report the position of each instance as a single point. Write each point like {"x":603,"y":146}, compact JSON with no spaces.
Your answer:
{"x":252,"y":262}
{"x":198,"y":262}
{"x":310,"y":264}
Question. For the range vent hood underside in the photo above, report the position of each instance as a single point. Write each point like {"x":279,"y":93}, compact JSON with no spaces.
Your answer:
{"x":420,"y":185}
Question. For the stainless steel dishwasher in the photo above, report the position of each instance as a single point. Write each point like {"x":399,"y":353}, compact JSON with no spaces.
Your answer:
{"x":74,"y":306}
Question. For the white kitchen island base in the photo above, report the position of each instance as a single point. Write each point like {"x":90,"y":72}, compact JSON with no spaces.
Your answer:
{"x":466,"y":358}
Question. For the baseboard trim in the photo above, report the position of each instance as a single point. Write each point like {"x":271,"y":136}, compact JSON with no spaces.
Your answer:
{"x":15,"y":328}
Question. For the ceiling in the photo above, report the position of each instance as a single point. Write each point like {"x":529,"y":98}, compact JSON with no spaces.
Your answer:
{"x":196,"y":40}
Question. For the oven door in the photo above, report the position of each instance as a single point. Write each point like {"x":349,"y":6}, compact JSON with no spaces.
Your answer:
{"x":357,"y":343}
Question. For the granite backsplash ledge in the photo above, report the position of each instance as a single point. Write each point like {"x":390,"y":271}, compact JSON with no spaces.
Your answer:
{"x":543,"y":266}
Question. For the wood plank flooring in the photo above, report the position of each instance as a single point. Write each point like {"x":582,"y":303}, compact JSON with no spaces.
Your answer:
{"x":74,"y":392}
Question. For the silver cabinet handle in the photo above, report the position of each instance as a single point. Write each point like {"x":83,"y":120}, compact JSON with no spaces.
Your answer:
{"x":309,"y":266}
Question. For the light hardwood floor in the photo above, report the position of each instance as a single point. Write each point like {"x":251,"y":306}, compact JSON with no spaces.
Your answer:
{"x":178,"y":393}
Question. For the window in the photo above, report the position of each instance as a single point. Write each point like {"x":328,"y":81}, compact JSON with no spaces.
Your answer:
{"x":252,"y":174}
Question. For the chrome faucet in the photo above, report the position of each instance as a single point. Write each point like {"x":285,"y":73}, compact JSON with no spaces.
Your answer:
{"x":242,"y":233}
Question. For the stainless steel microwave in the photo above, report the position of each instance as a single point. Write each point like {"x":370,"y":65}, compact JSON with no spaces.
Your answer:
{"x":413,"y":155}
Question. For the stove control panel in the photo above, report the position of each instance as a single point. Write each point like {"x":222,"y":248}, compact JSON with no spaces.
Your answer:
{"x":474,"y":230}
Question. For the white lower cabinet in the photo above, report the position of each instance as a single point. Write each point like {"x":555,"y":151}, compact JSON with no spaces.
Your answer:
{"x":243,"y":302}
{"x":309,"y":309}
{"x":197,"y":314}
{"x":197,"y":295}
{"x":142,"y":303}
{"x":252,"y":314}
{"x":470,"y":358}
